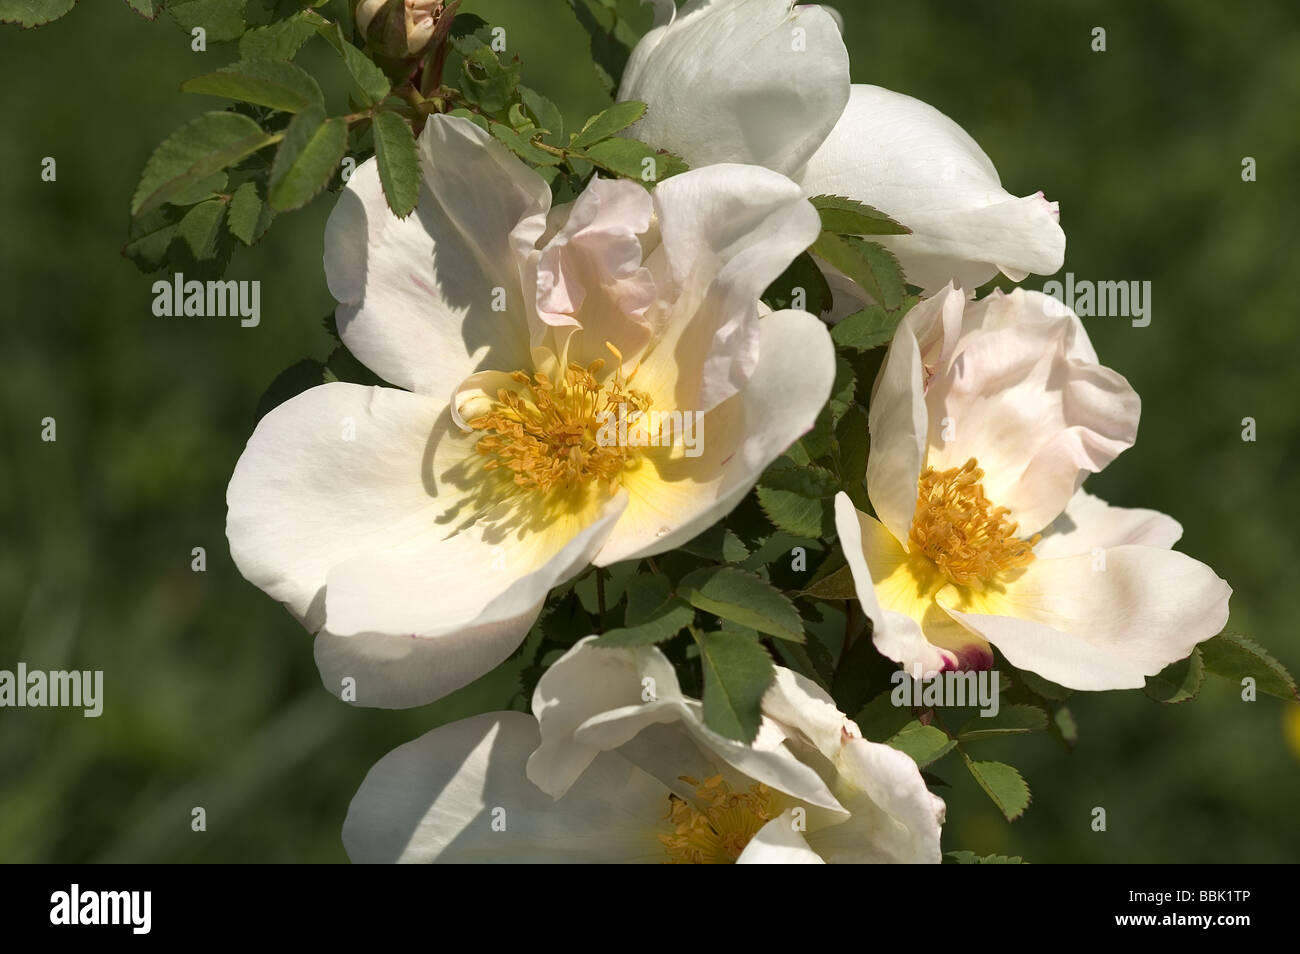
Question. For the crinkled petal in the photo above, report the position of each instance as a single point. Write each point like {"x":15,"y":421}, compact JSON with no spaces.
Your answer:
{"x":1037,"y":419}
{"x":673,"y":498}
{"x":779,"y":842}
{"x":1088,"y":624}
{"x":418,"y":299}
{"x":912,"y":162}
{"x":585,"y":682}
{"x":895,"y":820}
{"x":727,"y":233}
{"x":1090,"y":524}
{"x":750,"y":81}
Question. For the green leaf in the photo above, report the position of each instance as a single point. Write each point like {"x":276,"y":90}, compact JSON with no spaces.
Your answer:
{"x":487,"y":82}
{"x":289,"y":383}
{"x":881,"y":719}
{"x":853,"y":446}
{"x":221,"y":19}
{"x":522,"y":146}
{"x":1178,"y":681}
{"x":369,"y":84}
{"x":869,"y":328}
{"x":796,"y":514}
{"x":838,"y":586}
{"x":633,"y":159}
{"x":872,"y":266}
{"x":310,"y":153}
{"x":546,"y":113}
{"x":802,"y":286}
{"x":249,"y":216}
{"x":1235,"y":657}
{"x":861,"y":669}
{"x":845,"y":216}
{"x":924,"y":743}
{"x":189,"y":240}
{"x":732,"y":594}
{"x":663,"y":623}
{"x":479,"y":121}
{"x":719,"y":544}
{"x":608,"y":122}
{"x":274,"y":83}
{"x":1010,"y":720}
{"x":609,"y":52}
{"x":646,"y":592}
{"x":146,"y":8}
{"x":1043,"y":687}
{"x":30,"y":13}
{"x":970,"y":858}
{"x":1001,"y":783}
{"x":201,"y":229}
{"x":811,"y":481}
{"x":281,"y":40}
{"x":399,"y":163}
{"x":737,"y":672}
{"x":200,"y":148}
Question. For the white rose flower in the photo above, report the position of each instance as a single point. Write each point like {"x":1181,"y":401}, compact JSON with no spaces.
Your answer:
{"x":985,"y":420}
{"x":624,"y":774}
{"x":767,"y":82}
{"x":418,"y":531}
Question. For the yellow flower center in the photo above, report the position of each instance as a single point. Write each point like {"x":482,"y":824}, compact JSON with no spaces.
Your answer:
{"x":718,"y":834}
{"x":961,"y":532}
{"x":551,"y":435}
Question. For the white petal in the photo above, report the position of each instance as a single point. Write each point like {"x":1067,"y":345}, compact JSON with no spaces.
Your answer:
{"x":416,"y":295}
{"x":1089,"y":524}
{"x":896,"y":635}
{"x":435,"y":584}
{"x":727,"y":233}
{"x":397,"y":672}
{"x":747,"y":81}
{"x":673,"y":498}
{"x":896,"y":419}
{"x":1090,"y":628}
{"x":334,"y":471}
{"x":445,"y":797}
{"x":798,"y":704}
{"x":587,"y":681}
{"x":914,"y":163}
{"x":1037,"y":419}
{"x":896,"y":820}
{"x":779,"y":843}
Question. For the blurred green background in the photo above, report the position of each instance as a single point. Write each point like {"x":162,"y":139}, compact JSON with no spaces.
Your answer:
{"x":212,"y":698}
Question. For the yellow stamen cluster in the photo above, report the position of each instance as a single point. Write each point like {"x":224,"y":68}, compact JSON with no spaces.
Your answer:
{"x":963,"y":534}
{"x":719,"y":833}
{"x":547,"y":432}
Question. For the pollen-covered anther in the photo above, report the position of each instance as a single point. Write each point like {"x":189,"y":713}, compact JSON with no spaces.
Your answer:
{"x":719,"y":832}
{"x":959,"y":529}
{"x":547,"y":433}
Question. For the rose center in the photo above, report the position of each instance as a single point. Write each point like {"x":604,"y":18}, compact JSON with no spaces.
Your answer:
{"x":727,"y":823}
{"x":971,"y":541}
{"x":548,"y":434}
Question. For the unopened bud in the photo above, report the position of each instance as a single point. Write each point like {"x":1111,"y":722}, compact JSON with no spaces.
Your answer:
{"x":398,"y":28}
